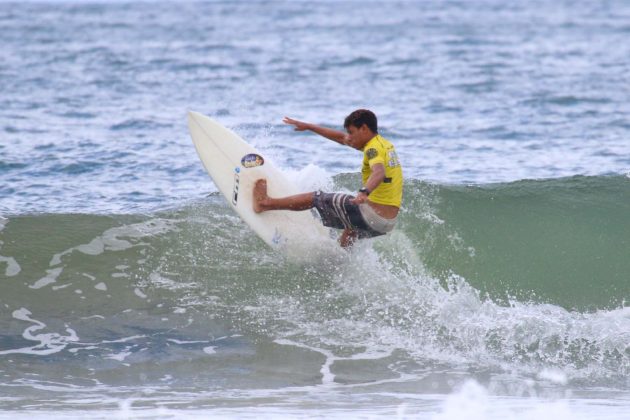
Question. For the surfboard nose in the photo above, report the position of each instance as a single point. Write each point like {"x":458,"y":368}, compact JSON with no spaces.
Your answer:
{"x":197,"y":120}
{"x":193,"y":115}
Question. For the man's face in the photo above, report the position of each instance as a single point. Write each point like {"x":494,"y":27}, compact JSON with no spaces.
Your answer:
{"x":358,"y":137}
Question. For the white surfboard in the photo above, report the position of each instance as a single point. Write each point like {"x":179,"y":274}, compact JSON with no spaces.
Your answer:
{"x":234,"y":167}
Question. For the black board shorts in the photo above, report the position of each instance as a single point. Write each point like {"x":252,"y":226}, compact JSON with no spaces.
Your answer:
{"x":337,"y":211}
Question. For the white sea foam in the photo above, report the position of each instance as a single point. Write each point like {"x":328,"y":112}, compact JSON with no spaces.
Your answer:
{"x":556,"y":376}
{"x":310,"y":178}
{"x":111,"y":239}
{"x":397,"y":305}
{"x":121,"y":356}
{"x":210,"y":349}
{"x":13,"y":268}
{"x":473,"y":402}
{"x":139,"y":293}
{"x":48,"y":343}
{"x":51,"y":277}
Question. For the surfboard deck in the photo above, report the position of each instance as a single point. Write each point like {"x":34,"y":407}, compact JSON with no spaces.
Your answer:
{"x":234,"y":166}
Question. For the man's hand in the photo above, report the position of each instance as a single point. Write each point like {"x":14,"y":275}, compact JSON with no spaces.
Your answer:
{"x":299,"y":125}
{"x":360,"y":198}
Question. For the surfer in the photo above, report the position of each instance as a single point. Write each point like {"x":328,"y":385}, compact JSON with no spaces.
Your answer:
{"x":373,"y":211}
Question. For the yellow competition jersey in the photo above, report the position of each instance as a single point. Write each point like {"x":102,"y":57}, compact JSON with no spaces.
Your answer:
{"x":379,"y":150}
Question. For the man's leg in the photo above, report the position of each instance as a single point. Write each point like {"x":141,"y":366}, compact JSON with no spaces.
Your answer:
{"x":262,"y":202}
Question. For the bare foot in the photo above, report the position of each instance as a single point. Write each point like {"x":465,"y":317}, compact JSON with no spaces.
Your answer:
{"x":260,"y":195}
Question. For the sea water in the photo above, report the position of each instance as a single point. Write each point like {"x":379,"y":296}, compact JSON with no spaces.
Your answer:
{"x":129,"y":289}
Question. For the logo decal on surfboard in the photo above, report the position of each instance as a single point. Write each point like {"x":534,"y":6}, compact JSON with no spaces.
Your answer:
{"x":235,"y":189}
{"x":252,"y":160}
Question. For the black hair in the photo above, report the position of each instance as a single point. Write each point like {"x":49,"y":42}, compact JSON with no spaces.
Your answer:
{"x":359,"y":117}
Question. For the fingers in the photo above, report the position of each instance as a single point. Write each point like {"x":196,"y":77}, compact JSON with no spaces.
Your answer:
{"x":299,"y":125}
{"x":292,"y":122}
{"x":359,"y":199}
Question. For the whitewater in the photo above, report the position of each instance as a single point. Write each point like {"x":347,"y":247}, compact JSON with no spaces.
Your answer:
{"x":129,"y":289}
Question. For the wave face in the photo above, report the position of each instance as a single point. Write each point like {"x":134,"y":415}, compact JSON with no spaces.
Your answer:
{"x":561,"y":241}
{"x":526,"y":277}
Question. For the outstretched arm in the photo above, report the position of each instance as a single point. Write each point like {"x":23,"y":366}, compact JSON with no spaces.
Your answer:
{"x":334,"y":135}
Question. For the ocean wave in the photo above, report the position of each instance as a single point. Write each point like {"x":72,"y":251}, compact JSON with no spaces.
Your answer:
{"x":438,"y":289}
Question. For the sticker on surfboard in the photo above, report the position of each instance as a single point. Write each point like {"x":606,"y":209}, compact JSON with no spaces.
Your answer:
{"x":236,"y":186}
{"x":252,"y":160}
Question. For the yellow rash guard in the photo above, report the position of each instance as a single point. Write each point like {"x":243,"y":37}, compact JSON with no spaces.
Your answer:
{"x":379,"y":150}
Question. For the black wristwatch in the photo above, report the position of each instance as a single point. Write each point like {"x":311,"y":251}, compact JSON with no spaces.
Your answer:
{"x":364,"y":191}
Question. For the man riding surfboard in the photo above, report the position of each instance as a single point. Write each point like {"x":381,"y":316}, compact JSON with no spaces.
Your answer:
{"x":373,"y":211}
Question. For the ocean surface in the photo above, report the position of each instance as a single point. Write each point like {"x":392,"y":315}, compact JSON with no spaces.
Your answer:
{"x":129,"y":288}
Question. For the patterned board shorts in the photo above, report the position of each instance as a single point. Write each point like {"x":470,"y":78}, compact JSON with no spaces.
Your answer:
{"x":337,"y":211}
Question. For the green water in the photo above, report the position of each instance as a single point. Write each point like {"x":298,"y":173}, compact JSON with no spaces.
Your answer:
{"x":563,"y":241}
